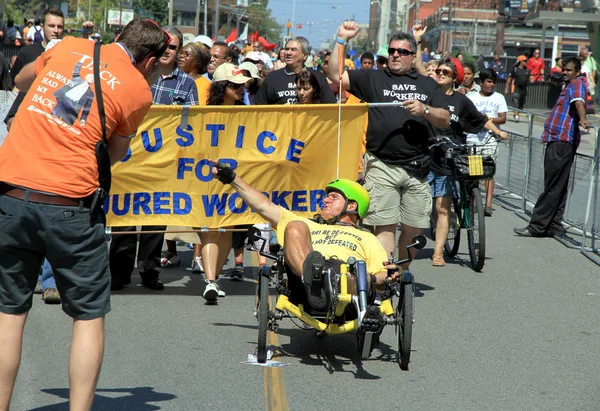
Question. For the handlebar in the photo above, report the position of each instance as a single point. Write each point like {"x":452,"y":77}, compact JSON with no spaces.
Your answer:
{"x":442,"y":140}
{"x":419,"y":242}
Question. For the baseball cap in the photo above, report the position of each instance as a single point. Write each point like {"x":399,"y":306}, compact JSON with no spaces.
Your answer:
{"x":522,"y":58}
{"x":204,"y":40}
{"x":382,"y":52}
{"x":229,"y":72}
{"x":255,"y":56}
{"x":251,"y":67}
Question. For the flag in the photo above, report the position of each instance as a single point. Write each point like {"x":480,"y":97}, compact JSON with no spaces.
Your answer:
{"x":254,"y":36}
{"x":244,"y":36}
{"x":268,"y":46}
{"x":232,"y":36}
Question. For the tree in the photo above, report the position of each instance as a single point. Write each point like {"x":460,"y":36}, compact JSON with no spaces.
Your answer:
{"x":259,"y":18}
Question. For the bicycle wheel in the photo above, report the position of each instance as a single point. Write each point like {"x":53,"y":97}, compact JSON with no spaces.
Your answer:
{"x":404,"y":322}
{"x":476,"y":230}
{"x":453,"y":242}
{"x":263,"y":316}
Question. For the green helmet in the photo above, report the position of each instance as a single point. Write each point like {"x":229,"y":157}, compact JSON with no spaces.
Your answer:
{"x":352,"y":191}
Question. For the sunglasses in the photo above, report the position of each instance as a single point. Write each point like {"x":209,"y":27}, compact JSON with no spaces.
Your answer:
{"x":172,"y":47}
{"x":382,"y":61}
{"x":169,"y":38}
{"x":445,"y":72}
{"x":234,"y":86}
{"x":401,"y":51}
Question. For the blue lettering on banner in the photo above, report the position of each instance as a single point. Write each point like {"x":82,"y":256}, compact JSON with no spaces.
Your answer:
{"x":235,"y":209}
{"x":141,"y":201}
{"x":179,"y":209}
{"x":316,"y":199}
{"x":202,"y":170}
{"x":279,"y":199}
{"x":214,"y":203}
{"x":160,"y":201}
{"x":185,"y":139}
{"x":161,"y":204}
{"x":126,"y":203}
{"x":127,"y":156}
{"x":299,"y":201}
{"x":214,"y":135}
{"x":239,"y":140}
{"x":146,"y":141}
{"x":199,"y":175}
{"x":260,"y":142}
{"x":294,"y":149}
{"x":183,"y":165}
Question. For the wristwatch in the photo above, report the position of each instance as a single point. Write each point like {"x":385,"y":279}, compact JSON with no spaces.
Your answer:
{"x":426,"y":110}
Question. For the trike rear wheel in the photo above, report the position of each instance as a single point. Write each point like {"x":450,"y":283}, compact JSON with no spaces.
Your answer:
{"x":263,"y":314}
{"x":404,"y":318}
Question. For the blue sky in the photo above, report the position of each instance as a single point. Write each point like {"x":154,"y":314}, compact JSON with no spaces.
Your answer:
{"x":319,"y":18}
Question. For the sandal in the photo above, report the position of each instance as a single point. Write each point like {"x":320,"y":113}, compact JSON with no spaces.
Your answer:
{"x":438,"y":260}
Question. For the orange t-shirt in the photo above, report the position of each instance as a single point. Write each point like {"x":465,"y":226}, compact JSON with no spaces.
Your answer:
{"x":203,"y":85}
{"x":51,"y":144}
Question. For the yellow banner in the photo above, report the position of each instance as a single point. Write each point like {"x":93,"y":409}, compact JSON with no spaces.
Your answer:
{"x":288,"y":152}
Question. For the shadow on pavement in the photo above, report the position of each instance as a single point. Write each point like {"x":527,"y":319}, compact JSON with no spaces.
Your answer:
{"x":133,"y":399}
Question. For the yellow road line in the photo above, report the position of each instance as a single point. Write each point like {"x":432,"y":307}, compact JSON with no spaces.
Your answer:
{"x":274,"y":387}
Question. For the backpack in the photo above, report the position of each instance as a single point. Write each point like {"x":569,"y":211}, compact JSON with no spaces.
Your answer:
{"x":38,"y":37}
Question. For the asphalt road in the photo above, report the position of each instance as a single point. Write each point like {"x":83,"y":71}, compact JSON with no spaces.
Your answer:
{"x":521,"y":335}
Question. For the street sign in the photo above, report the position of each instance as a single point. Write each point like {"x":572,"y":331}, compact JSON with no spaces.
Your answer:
{"x":242,"y":3}
{"x":118,"y":17}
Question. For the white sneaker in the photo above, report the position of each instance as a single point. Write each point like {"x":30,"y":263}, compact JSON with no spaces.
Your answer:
{"x":211,"y":292}
{"x":169,"y":260}
{"x":197,"y":265}
{"x":219,"y":291}
{"x":516,"y":119}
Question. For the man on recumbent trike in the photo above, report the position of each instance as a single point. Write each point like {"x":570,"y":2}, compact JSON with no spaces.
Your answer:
{"x":330,"y":241}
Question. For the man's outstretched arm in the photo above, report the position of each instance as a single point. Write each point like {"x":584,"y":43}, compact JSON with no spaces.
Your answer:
{"x":254,"y":198}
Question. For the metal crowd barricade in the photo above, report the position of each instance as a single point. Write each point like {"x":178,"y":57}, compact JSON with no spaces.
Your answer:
{"x":520,"y":172}
{"x":591,"y":214}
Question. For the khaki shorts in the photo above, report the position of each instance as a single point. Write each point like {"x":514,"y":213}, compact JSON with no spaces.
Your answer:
{"x":396,"y":196}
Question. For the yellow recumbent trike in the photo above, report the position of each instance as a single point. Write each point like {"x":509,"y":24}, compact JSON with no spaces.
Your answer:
{"x":346,"y":311}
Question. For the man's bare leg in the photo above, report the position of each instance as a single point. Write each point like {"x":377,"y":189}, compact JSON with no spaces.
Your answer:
{"x":85,"y":361}
{"x":297,"y":245}
{"x":11,"y":342}
{"x":386,"y":234}
{"x":406,"y":237}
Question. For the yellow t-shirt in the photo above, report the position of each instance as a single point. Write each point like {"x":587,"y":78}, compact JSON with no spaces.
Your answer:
{"x":203,"y":85}
{"x":339,"y":241}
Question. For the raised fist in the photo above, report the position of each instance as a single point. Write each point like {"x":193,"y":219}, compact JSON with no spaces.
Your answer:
{"x":348,"y":30}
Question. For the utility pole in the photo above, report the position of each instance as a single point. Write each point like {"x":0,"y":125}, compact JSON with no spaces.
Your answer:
{"x":373,"y":20}
{"x":475,"y":37}
{"x":382,"y":37}
{"x":216,"y":22}
{"x":449,"y":32}
{"x":197,"y":20}
{"x":205,"y":17}
{"x":171,"y":6}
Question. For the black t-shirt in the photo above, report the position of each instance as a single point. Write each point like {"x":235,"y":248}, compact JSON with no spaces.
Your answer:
{"x":26,"y":55}
{"x":464,"y":117}
{"x":393,"y":135}
{"x":520,"y":77}
{"x":279,"y":87}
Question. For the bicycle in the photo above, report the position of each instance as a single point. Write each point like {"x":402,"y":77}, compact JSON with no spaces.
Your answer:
{"x":345,"y":312}
{"x":470,"y":164}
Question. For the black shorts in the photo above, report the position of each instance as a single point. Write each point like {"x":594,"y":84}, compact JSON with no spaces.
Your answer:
{"x":75,"y":245}
{"x":518,"y":99}
{"x":238,"y":238}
